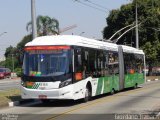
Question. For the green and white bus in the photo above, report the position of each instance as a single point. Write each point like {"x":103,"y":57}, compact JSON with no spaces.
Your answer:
{"x":74,"y":67}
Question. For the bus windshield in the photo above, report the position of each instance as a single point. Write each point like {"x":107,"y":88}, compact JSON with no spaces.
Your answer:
{"x":46,"y":62}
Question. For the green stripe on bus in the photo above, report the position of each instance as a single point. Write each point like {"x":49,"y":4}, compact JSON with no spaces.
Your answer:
{"x":29,"y":86}
{"x":132,"y":79}
{"x":106,"y":85}
{"x":99,"y":86}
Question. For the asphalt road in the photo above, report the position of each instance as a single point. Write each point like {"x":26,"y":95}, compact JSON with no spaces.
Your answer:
{"x":6,"y":84}
{"x":135,"y":103}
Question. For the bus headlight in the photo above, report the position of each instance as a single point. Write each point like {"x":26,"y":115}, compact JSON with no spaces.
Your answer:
{"x":23,"y":83}
{"x":65,"y":83}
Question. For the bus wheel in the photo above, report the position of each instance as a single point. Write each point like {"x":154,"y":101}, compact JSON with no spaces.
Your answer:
{"x":136,"y":86}
{"x":87,"y":96}
{"x":112,"y":91}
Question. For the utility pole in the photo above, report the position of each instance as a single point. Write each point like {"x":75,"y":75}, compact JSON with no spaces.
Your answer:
{"x":12,"y":63}
{"x":33,"y":16}
{"x":137,"y":36}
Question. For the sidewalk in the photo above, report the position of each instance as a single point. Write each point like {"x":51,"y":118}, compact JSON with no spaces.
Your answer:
{"x":15,"y":78}
{"x":152,"y":78}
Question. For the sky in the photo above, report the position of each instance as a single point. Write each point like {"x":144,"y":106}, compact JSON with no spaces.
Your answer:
{"x":15,"y":14}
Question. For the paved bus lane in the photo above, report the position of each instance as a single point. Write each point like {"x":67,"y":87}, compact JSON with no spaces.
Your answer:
{"x":6,"y":84}
{"x":144,"y":100}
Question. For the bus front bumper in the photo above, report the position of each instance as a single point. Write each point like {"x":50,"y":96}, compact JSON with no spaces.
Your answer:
{"x":61,"y":93}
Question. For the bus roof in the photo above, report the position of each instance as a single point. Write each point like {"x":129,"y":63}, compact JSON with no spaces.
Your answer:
{"x":72,"y":40}
{"x":129,"y":49}
{"x":79,"y":41}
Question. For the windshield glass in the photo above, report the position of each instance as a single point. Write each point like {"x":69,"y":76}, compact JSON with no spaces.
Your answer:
{"x":47,"y":62}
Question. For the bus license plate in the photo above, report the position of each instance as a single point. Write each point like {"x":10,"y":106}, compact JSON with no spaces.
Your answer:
{"x":42,"y":96}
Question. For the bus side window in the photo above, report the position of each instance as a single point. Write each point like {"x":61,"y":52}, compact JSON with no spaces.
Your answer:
{"x":78,"y":60}
{"x":110,"y":63}
{"x":86,"y":63}
{"x":139,"y":63}
{"x":113,"y":63}
{"x":100,"y":69}
{"x":106,"y":63}
{"x":82,"y":67}
{"x":129,"y":63}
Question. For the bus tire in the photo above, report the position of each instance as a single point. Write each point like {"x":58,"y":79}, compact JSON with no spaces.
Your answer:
{"x":136,"y":86}
{"x":112,"y":91}
{"x":87,"y":96}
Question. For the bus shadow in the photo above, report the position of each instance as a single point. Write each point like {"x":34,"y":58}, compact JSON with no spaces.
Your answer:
{"x":69,"y":103}
{"x":109,"y":94}
{"x":55,"y":103}
{"x":130,"y":89}
{"x":14,"y":98}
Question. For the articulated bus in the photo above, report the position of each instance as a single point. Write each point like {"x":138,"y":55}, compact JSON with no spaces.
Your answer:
{"x":74,"y":67}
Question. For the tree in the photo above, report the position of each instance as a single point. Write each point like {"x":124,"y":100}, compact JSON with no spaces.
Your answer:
{"x":20,"y":48}
{"x":148,"y":16}
{"x":151,"y":54}
{"x":10,"y":50}
{"x":45,"y":25}
{"x":17,"y":53}
{"x":21,"y":44}
{"x":9,"y":62}
{"x":11,"y":56}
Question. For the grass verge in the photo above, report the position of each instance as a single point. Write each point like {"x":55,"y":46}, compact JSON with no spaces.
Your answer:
{"x":8,"y":96}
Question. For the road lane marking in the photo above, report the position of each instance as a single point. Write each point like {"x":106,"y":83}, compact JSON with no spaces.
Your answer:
{"x":108,"y":98}
{"x":82,"y":107}
{"x":101,"y":100}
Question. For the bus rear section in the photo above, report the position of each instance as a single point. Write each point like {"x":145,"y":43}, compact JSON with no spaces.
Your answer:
{"x":132,"y":65}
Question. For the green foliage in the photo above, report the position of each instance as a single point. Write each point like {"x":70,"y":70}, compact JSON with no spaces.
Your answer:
{"x":18,"y":71}
{"x":148,"y":16}
{"x":9,"y":62}
{"x":2,"y":64}
{"x":20,"y":47}
{"x":150,"y":50}
{"x":21,"y":44}
{"x":16,"y":52}
{"x":45,"y":25}
{"x":9,"y":51}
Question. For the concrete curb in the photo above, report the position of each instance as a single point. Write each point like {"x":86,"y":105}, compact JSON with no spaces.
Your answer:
{"x":11,"y":104}
{"x":158,"y":116}
{"x":21,"y":102}
{"x":152,"y":80}
{"x":15,"y":78}
{"x":148,"y":80}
